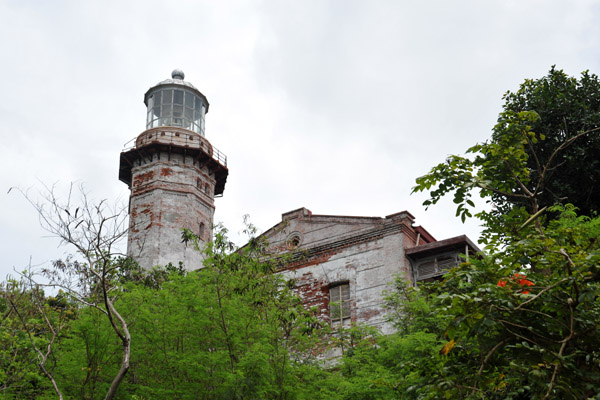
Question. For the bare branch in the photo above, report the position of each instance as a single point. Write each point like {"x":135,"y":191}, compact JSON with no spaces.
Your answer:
{"x":540,"y":293}
{"x":535,"y":157}
{"x":94,"y":230}
{"x":489,"y":354}
{"x":562,"y":349}
{"x":503,"y":193}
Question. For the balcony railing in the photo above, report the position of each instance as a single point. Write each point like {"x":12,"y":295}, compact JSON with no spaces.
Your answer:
{"x":177,"y":137}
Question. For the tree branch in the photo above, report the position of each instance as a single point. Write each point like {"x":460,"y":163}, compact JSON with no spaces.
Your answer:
{"x":562,"y":349}
{"x":560,"y":148}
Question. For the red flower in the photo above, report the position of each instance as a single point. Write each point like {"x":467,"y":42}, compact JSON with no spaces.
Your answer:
{"x":520,"y":280}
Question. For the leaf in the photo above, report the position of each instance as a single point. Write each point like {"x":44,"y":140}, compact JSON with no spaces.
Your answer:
{"x":447,"y":347}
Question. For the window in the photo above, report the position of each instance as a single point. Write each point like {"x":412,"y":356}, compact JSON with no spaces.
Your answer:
{"x":432,"y":268}
{"x":339,"y":304}
{"x":293,"y":240}
{"x":176,"y":107}
{"x":201,"y":231}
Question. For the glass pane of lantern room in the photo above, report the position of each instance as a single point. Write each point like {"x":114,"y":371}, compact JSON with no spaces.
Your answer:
{"x":202,"y":121}
{"x":178,"y":111}
{"x":165,"y":115}
{"x":167,"y":95}
{"x":189,"y":99}
{"x":196,"y":125}
{"x":157,"y":97}
{"x":153,"y":115}
{"x":177,"y":115}
{"x":178,"y":96}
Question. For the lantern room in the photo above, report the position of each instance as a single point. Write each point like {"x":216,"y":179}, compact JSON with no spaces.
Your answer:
{"x":175,"y":102}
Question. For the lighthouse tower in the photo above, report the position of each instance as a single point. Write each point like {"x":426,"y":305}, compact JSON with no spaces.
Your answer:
{"x":174,"y":174}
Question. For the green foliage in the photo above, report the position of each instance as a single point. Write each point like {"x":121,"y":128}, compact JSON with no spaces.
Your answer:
{"x":496,"y":168}
{"x":19,"y":374}
{"x":545,"y":149}
{"x":232,"y":330}
{"x":521,"y":321}
{"x":566,"y":106}
{"x":525,"y":319}
{"x":399,"y":365}
{"x":88,"y":357}
{"x":28,"y":319}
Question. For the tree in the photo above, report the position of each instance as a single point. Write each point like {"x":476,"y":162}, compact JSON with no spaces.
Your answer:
{"x":522,"y":320}
{"x":547,"y":134}
{"x":39,"y":318}
{"x":400,"y":365}
{"x":26,"y":341}
{"x":565,"y":107}
{"x":232,"y":330}
{"x":94,"y":230}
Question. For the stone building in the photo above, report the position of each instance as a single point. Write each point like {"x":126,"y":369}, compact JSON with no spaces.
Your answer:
{"x":341,"y":264}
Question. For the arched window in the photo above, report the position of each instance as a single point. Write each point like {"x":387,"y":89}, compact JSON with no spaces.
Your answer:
{"x":201,"y":231}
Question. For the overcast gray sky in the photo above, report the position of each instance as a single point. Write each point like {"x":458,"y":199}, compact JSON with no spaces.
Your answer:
{"x":336,"y":106}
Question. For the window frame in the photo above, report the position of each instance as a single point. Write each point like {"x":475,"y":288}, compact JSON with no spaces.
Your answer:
{"x":340,"y":309}
{"x":437,"y":264}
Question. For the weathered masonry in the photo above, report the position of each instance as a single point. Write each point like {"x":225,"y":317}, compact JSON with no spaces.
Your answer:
{"x":342,"y":265}
{"x":174,"y":174}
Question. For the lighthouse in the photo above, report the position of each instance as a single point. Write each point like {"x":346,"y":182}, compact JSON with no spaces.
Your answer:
{"x":174,"y":175}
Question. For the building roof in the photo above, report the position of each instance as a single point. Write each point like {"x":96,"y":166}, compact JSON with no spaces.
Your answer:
{"x":461,"y":242}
